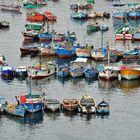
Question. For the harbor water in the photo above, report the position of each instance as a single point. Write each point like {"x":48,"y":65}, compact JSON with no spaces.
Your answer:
{"x":123,"y":121}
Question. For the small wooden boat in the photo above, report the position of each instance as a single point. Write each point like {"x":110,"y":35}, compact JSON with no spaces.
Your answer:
{"x":117,"y":3}
{"x":4,"y":24}
{"x":130,"y":72}
{"x":32,"y":103}
{"x":124,"y":33}
{"x":29,"y":50}
{"x":59,"y":37}
{"x":83,"y":52}
{"x":10,"y":8}
{"x":34,"y":25}
{"x":136,"y":35}
{"x":71,"y":36}
{"x":87,"y":104}
{"x":13,"y":109}
{"x":45,"y":36}
{"x":40,"y":71}
{"x":50,"y":16}
{"x":77,"y":69}
{"x":90,"y":72}
{"x":35,"y":17}
{"x":102,"y":108}
{"x":79,"y":15}
{"x":70,"y":104}
{"x":65,"y":50}
{"x":93,"y":27}
{"x":31,"y":34}
{"x":63,"y":71}
{"x":7,"y":71}
{"x":51,"y":104}
{"x":21,"y":71}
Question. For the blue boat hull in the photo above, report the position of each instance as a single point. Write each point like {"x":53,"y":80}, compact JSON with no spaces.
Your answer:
{"x":7,"y":72}
{"x":119,"y":15}
{"x":62,"y":52}
{"x":134,"y":14}
{"x":102,"y":111}
{"x":136,"y":36}
{"x":33,"y":107}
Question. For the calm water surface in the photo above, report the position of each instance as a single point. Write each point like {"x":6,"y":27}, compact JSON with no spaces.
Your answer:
{"x":123,"y":121}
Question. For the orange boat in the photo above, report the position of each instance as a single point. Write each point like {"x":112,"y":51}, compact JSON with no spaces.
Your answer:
{"x":130,"y":72}
{"x":49,"y":16}
{"x":35,"y":17}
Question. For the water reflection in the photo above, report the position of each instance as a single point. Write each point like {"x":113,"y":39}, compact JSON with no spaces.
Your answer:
{"x":70,"y":114}
{"x":63,"y":80}
{"x":127,"y":85}
{"x":103,"y":116}
{"x":7,"y":78}
{"x":53,"y":115}
{"x":104,"y":84}
{"x":34,"y":118}
{"x":42,"y":81}
{"x":90,"y":80}
{"x":87,"y":117}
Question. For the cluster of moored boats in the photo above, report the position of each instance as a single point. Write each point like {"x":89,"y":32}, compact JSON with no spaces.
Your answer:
{"x":63,"y":45}
{"x":34,"y":103}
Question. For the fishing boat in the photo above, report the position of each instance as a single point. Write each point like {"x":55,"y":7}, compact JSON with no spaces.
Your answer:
{"x":14,"y":109}
{"x":1,"y":108}
{"x":21,"y":71}
{"x":87,"y":104}
{"x":83,"y":52}
{"x":65,"y":50}
{"x":35,"y":17}
{"x":59,"y":37}
{"x":118,"y":14}
{"x":4,"y":24}
{"x":50,"y":16}
{"x":136,"y":35}
{"x":10,"y":8}
{"x":31,"y":34}
{"x":79,"y":15}
{"x":77,"y":68}
{"x":41,"y":70}
{"x":130,"y":72}
{"x":124,"y":33}
{"x":90,"y":72}
{"x":45,"y":36}
{"x":109,"y":72}
{"x":63,"y":71}
{"x":93,"y":27}
{"x":47,"y":50}
{"x":29,"y":50}
{"x":71,"y":36}
{"x":51,"y":104}
{"x":117,"y":3}
{"x":102,"y":108}
{"x":34,"y":25}
{"x":7,"y":71}
{"x":134,"y":12}
{"x":70,"y":104}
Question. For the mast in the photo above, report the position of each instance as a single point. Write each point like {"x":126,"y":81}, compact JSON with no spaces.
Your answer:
{"x":101,"y":40}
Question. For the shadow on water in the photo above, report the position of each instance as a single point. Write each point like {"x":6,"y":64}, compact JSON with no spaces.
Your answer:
{"x":34,"y":118}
